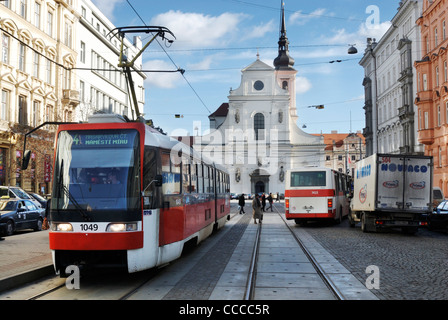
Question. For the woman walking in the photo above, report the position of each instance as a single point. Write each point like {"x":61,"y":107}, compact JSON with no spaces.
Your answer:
{"x":256,"y":206}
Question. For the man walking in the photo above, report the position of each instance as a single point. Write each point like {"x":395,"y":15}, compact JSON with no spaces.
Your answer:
{"x":241,"y":203}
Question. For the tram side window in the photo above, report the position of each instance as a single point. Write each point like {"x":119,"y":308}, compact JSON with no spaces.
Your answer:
{"x":206,"y":179}
{"x":151,"y":194}
{"x":212,"y":180}
{"x":171,"y":175}
{"x":200,"y":178}
{"x":218,"y":182}
{"x":185,"y":176}
{"x":194,"y":178}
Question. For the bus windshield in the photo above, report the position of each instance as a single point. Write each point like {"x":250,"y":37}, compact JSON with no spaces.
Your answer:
{"x":97,"y":170}
{"x":308,"y":179}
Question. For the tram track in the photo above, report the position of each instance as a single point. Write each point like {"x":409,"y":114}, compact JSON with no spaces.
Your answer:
{"x":327,"y":280}
{"x":252,"y":276}
{"x":135,"y":283}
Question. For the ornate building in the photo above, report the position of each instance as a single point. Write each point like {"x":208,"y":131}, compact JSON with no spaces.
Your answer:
{"x":37,"y":83}
{"x":432,"y":89}
{"x":255,"y":134}
{"x":390,"y":85}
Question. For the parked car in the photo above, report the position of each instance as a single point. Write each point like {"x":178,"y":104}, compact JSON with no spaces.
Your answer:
{"x":38,"y":197}
{"x":438,"y":219}
{"x":18,"y":214}
{"x":17,"y":193}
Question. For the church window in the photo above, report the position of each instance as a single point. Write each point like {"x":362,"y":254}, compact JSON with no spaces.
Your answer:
{"x":285,"y":85}
{"x":258,"y":85}
{"x":259,"y":126}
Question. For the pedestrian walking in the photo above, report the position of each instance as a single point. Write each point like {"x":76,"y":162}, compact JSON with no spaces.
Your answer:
{"x":270,"y":200}
{"x":278,"y":197}
{"x":241,"y":203}
{"x":263,"y":201}
{"x":256,"y":212}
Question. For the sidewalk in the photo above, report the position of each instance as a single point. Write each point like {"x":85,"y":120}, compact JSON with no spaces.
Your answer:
{"x":24,"y":257}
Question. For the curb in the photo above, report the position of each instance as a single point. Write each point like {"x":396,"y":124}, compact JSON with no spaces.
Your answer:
{"x":25,"y":277}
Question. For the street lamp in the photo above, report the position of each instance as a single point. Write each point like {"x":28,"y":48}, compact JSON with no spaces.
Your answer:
{"x":352,"y":49}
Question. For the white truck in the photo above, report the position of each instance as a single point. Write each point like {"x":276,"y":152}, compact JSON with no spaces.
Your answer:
{"x":392,"y":190}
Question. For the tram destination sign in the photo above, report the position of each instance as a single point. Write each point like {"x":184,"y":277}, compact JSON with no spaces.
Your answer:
{"x":103,"y":138}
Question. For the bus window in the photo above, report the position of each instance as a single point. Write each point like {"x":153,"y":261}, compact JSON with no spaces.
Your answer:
{"x":308,"y":179}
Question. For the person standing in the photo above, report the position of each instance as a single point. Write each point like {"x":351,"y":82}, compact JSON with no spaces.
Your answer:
{"x":241,"y":203}
{"x":263,"y":201}
{"x":256,"y":212}
{"x":270,"y":200}
{"x":278,"y":197}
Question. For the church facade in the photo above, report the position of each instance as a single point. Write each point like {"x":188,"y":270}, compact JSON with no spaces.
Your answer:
{"x":255,"y":135}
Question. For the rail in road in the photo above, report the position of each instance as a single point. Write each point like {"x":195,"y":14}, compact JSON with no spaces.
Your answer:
{"x":252,"y":277}
{"x":243,"y":261}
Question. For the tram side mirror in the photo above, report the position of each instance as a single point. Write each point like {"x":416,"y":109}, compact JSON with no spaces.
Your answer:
{"x":26,"y":159}
{"x":158,"y":180}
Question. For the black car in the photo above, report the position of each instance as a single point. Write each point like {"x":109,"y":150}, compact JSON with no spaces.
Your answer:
{"x":19,"y":214}
{"x":438,"y":219}
{"x":38,"y":197}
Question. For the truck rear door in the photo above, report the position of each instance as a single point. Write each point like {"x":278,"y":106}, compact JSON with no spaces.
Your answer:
{"x":390,"y":182}
{"x":417,"y":192}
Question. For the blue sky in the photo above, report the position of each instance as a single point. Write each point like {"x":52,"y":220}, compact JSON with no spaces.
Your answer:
{"x":216,"y":39}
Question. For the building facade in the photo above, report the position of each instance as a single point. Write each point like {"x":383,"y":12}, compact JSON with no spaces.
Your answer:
{"x":58,"y":64}
{"x":255,"y":134}
{"x":390,"y":85}
{"x":38,"y":53}
{"x":102,"y":84}
{"x":432,"y":89}
{"x":343,"y":150}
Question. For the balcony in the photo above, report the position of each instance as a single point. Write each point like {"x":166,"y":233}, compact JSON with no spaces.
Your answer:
{"x":426,"y":136}
{"x":70,"y":97}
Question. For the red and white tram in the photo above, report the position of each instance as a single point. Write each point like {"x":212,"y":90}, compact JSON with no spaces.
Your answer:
{"x":316,"y":193}
{"x":126,"y":195}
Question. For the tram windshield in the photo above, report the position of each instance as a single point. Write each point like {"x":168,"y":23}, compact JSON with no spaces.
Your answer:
{"x":97,"y":170}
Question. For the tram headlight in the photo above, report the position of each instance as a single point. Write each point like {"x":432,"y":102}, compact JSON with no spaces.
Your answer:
{"x":121,"y":227}
{"x":61,"y":227}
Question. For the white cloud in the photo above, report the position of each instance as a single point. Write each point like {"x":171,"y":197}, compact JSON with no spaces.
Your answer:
{"x":195,"y":30}
{"x":166,"y":80}
{"x":302,"y":85}
{"x":299,"y":18}
{"x":260,"y":30}
{"x":107,"y":7}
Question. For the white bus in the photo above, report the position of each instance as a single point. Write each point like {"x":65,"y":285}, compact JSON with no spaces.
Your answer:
{"x":316,"y":193}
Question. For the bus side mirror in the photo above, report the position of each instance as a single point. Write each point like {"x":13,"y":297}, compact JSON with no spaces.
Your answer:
{"x":158,"y":180}
{"x":26,"y":159}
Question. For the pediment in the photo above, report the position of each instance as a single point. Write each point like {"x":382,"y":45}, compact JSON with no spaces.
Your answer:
{"x":8,"y":77}
{"x":51,"y":96}
{"x":24,"y":84}
{"x":39,"y":90}
{"x":258,"y":65}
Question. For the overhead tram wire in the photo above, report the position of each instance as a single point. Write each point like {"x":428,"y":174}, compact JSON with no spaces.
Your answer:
{"x":172,"y":61}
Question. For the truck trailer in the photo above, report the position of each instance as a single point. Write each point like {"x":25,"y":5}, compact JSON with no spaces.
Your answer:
{"x":392,"y":190}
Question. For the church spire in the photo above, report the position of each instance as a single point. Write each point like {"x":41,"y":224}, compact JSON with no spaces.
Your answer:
{"x":283,"y":60}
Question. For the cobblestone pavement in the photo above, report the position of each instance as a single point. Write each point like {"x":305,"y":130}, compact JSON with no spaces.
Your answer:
{"x":411,"y":267}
